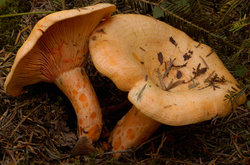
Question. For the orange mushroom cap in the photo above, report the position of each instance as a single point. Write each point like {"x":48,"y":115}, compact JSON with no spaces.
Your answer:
{"x":56,"y":44}
{"x":170,"y":77}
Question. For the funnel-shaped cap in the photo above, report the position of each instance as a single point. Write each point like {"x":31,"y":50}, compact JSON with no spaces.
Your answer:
{"x":170,"y":77}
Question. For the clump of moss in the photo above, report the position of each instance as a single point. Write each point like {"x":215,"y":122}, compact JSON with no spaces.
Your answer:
{"x":8,"y":35}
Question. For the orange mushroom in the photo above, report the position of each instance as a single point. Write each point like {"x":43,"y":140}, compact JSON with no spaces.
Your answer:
{"x":170,"y":78}
{"x":55,"y":52}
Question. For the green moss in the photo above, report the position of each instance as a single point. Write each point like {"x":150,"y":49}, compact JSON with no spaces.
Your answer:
{"x":2,"y":2}
{"x":9,"y":27}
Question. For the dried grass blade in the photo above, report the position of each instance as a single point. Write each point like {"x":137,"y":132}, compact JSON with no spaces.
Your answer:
{"x":19,"y":124}
{"x":161,"y":80}
{"x":169,"y":68}
{"x":20,"y":32}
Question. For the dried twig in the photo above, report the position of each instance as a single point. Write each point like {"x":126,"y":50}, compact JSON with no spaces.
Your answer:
{"x":204,"y":62}
{"x":163,"y":139}
{"x":169,"y":67}
{"x":19,"y":34}
{"x":174,"y":84}
{"x":163,"y":87}
{"x":19,"y":124}
{"x":28,"y":13}
{"x":115,"y":152}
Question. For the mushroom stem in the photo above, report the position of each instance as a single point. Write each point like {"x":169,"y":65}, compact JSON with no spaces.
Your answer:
{"x":76,"y":86}
{"x":133,"y":129}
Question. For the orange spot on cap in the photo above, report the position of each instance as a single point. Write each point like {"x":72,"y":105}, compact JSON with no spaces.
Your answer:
{"x":118,"y":132}
{"x":86,"y":104}
{"x":83,"y":99}
{"x":78,"y":85}
{"x":130,"y":134}
{"x":93,"y":115}
{"x":117,"y":143}
{"x":66,"y":61}
{"x":77,"y":108}
{"x":74,"y":92}
{"x":94,"y":132}
{"x":80,"y":121}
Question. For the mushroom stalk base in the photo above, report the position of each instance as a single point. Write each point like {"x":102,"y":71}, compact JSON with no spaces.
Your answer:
{"x":77,"y":87}
{"x":133,"y":129}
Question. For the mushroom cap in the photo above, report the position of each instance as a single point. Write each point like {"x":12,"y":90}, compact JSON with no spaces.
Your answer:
{"x":168,"y":75}
{"x":56,"y":44}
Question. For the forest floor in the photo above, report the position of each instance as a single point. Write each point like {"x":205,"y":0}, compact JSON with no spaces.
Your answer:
{"x":39,"y":127}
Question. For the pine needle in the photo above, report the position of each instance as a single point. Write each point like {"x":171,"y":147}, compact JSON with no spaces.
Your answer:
{"x":28,"y":13}
{"x":191,"y":24}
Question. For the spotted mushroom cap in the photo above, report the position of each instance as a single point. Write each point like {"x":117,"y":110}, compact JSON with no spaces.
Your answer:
{"x":170,"y":77}
{"x":56,"y":44}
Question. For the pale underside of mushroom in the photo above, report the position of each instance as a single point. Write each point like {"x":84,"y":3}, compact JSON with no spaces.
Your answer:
{"x":170,"y":77}
{"x":55,"y":52}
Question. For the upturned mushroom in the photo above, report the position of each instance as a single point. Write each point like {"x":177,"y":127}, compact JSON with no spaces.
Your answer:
{"x":171,"y":78}
{"x":55,"y":52}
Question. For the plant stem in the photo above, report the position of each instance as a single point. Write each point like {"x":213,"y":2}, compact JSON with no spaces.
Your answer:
{"x":28,"y":13}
